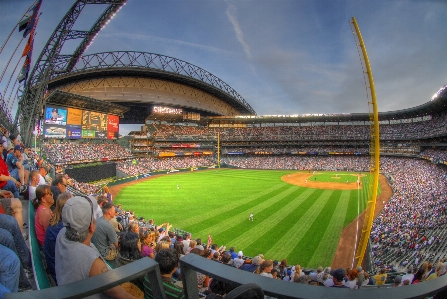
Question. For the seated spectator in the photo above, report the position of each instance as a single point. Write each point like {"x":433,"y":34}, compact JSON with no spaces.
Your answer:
{"x":147,"y":239}
{"x":239,"y":261}
{"x":409,"y":275}
{"x":192,"y":244}
{"x":129,"y":249}
{"x":134,"y":227}
{"x":104,"y":237}
{"x":167,"y":260}
{"x":338,"y":277}
{"x":418,"y":277}
{"x":55,"y":225}
{"x":178,"y":246}
{"x":11,"y":237}
{"x":33,"y":183}
{"x":352,"y":279}
{"x":75,"y":258}
{"x":380,"y":277}
{"x":58,"y":186}
{"x":114,"y":222}
{"x":7,"y":182}
{"x":12,"y":206}
{"x":42,"y":203}
{"x":100,"y":200}
{"x":254,"y":265}
{"x":265,"y":269}
{"x":15,"y":161}
{"x":107,"y":194}
{"x":10,"y":271}
{"x":43,"y":172}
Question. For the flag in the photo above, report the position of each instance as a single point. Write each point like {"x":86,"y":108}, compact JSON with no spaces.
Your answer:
{"x":209,"y":240}
{"x":28,"y":51}
{"x":31,"y":20}
{"x":25,"y":69}
{"x":24,"y":23}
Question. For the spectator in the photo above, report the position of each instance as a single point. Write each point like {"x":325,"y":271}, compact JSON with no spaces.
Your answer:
{"x":42,"y":203}
{"x":381,"y":277}
{"x":10,"y":271}
{"x":397,"y":281}
{"x":59,"y":185}
{"x":239,"y":261}
{"x":7,"y":182}
{"x":338,"y":277}
{"x":55,"y":225}
{"x":104,"y":237}
{"x":15,"y":161}
{"x":255,"y":263}
{"x":129,"y":249}
{"x":12,"y":206}
{"x":75,"y":258}
{"x":147,"y":239}
{"x":167,"y":260}
{"x":265,"y":269}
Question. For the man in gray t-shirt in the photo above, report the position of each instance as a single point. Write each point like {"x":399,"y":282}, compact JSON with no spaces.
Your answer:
{"x":105,"y":238}
{"x":75,"y":257}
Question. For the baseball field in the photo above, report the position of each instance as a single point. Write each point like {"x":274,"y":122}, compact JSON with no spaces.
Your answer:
{"x":298,"y":216}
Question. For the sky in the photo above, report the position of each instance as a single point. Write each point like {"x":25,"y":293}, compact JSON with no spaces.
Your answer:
{"x":283,"y":57}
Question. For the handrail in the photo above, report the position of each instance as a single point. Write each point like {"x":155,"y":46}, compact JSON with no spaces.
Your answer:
{"x":102,"y":282}
{"x":191,"y":263}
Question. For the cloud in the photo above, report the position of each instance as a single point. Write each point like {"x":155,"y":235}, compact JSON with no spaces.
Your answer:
{"x":232,"y":15}
{"x":145,"y":38}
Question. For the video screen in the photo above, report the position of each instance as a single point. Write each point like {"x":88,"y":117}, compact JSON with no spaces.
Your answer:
{"x":55,"y":116}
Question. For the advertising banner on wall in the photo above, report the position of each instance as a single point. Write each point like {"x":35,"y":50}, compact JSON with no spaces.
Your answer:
{"x":88,"y":134}
{"x":74,"y":132}
{"x":74,"y":116}
{"x":113,"y":123}
{"x":54,"y":132}
{"x":112,"y":135}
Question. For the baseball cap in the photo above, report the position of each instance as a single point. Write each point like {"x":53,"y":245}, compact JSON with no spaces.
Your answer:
{"x":240,"y":253}
{"x":77,"y":213}
{"x":18,"y":148}
{"x":339,"y":274}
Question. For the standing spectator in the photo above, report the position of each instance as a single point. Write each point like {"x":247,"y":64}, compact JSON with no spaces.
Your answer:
{"x":6,"y":144}
{"x":105,"y":238}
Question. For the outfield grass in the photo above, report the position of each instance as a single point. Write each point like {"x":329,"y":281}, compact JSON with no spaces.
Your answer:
{"x":299,"y":224}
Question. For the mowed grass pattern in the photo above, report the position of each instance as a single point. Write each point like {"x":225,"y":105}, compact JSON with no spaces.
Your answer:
{"x":302,"y":225}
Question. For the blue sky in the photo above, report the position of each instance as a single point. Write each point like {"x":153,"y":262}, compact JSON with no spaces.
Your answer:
{"x":281,"y":56}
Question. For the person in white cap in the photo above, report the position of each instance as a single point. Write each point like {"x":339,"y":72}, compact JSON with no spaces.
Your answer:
{"x":76,"y":258}
{"x":239,"y":261}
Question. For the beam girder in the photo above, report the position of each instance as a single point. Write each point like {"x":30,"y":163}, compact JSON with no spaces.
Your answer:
{"x":51,"y":61}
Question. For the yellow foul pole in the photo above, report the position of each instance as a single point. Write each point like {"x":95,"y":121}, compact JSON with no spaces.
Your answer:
{"x":374,"y":152}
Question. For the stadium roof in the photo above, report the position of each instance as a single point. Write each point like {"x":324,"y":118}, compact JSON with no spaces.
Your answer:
{"x":150,"y":65}
{"x":66,"y":99}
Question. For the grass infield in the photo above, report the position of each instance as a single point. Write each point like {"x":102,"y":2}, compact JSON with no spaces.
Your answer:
{"x":302,"y":225}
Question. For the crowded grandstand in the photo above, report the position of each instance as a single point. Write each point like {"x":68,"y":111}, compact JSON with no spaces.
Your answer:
{"x":56,"y":192}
